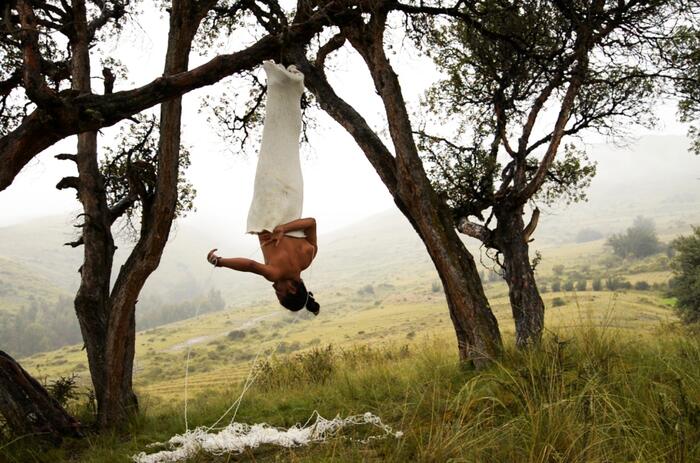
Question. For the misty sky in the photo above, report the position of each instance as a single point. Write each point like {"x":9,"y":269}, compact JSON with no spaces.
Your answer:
{"x":340,"y":185}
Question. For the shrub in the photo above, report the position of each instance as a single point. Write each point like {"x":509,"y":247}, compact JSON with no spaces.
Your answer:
{"x":685,"y":284}
{"x":639,"y":240}
{"x":581,"y":285}
{"x":558,"y":270}
{"x":597,"y":284}
{"x":236,"y":334}
{"x":63,"y":389}
{"x":616,"y":283}
{"x":642,"y":286}
{"x":558,"y":302}
{"x":556,"y":286}
{"x":569,"y":285}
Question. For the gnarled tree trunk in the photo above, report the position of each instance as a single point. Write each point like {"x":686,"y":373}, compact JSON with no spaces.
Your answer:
{"x":511,"y":237}
{"x":476,"y":328}
{"x":28,"y":408}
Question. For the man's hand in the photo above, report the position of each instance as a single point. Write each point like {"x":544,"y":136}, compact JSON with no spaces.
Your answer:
{"x":277,"y":234}
{"x":212,"y":258}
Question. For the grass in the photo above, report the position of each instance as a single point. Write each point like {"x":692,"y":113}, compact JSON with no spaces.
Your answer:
{"x":587,"y":395}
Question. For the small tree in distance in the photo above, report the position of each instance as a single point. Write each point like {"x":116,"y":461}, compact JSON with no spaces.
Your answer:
{"x":685,"y":284}
{"x":638,"y":241}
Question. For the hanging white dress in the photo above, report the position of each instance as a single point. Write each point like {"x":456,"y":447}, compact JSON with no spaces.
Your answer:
{"x":278,"y":194}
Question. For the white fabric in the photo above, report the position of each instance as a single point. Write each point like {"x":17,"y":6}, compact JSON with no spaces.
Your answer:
{"x":237,"y":437}
{"x":279,"y":190}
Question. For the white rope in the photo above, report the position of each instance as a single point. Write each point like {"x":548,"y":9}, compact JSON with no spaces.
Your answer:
{"x":237,"y":437}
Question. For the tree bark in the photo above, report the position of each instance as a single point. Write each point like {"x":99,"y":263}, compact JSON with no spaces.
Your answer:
{"x":476,"y":328}
{"x":157,"y":219}
{"x":28,"y":408}
{"x":511,"y":239}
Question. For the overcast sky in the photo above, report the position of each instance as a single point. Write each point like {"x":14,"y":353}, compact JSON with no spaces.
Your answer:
{"x":340,"y":185}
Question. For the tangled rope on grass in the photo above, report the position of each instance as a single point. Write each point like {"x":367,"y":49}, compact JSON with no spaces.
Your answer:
{"x":237,"y":437}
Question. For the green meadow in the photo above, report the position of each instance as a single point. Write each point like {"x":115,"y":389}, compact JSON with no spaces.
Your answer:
{"x":616,"y":378}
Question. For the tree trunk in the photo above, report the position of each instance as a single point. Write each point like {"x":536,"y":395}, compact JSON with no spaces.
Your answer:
{"x":28,"y":408}
{"x":158,"y":215}
{"x":476,"y":328}
{"x":511,"y":236}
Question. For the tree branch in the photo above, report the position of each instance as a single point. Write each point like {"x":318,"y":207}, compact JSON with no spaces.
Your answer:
{"x":90,"y":112}
{"x":475,"y":230}
{"x":532,"y":225}
{"x":68,"y":182}
{"x":375,"y":150}
{"x":34,"y":83}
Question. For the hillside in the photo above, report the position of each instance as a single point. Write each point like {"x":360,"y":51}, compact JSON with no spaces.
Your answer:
{"x":381,"y":251}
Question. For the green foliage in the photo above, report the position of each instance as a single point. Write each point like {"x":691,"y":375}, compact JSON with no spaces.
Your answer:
{"x":638,"y":241}
{"x":569,"y":178}
{"x":64,"y":389}
{"x":616,"y":283}
{"x":581,"y":285}
{"x":569,"y":285}
{"x":556,"y":286}
{"x":597,"y":284}
{"x":642,"y":285}
{"x":558,"y":302}
{"x":130,"y":171}
{"x":685,"y":284}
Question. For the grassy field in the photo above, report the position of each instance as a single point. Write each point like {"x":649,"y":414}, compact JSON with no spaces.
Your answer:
{"x":614,"y":380}
{"x":588,"y":395}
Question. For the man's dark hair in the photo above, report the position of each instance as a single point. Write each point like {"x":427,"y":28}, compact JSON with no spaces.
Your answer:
{"x":302,"y":298}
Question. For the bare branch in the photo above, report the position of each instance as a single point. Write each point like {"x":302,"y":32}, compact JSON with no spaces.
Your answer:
{"x":68,"y":182}
{"x":67,"y":157}
{"x":475,"y":230}
{"x":532,"y":225}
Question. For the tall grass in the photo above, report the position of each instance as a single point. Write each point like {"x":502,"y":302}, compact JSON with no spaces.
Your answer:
{"x":593,"y":395}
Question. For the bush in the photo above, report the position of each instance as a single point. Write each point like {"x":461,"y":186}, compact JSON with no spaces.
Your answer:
{"x":597,"y":284}
{"x":556,"y":286}
{"x":581,"y":285}
{"x":558,"y":302}
{"x":236,"y":334}
{"x":558,"y":270}
{"x":639,"y":240}
{"x":685,"y":284}
{"x":569,"y":285}
{"x":642,"y":286}
{"x":616,"y":283}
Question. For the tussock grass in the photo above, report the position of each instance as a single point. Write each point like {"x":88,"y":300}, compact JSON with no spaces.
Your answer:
{"x":590,"y":395}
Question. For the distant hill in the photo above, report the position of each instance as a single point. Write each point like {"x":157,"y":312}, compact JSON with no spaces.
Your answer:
{"x":657,"y":178}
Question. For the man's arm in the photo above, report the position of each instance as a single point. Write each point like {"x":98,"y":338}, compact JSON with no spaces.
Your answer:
{"x":247,"y":265}
{"x":244,"y":265}
{"x":307,"y":225}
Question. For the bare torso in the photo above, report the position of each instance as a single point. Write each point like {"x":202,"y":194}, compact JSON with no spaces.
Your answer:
{"x":290,"y":255}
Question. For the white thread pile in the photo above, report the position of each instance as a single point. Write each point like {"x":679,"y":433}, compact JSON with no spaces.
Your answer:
{"x":237,"y":437}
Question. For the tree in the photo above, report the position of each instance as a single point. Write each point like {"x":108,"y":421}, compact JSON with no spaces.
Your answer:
{"x":685,"y":284}
{"x":28,"y":408}
{"x":508,"y":65}
{"x":681,"y":54}
{"x":478,"y":336}
{"x":638,"y":241}
{"x":46,"y":95}
{"x":37,"y":109}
